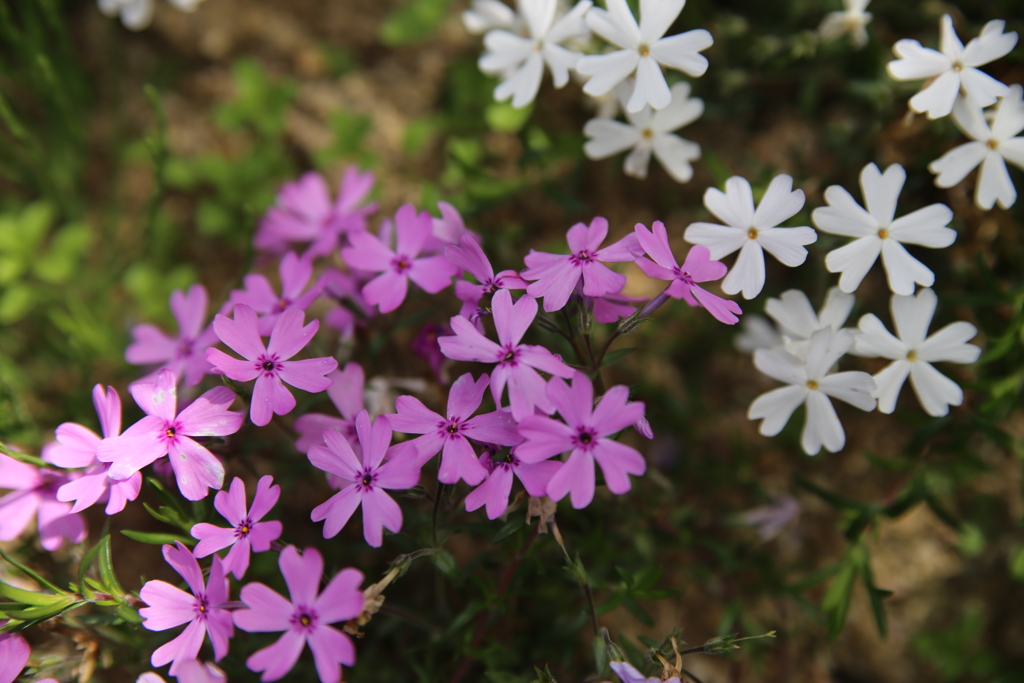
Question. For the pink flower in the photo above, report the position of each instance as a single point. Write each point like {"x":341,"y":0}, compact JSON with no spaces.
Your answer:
{"x":556,"y":275}
{"x":396,"y":268}
{"x":451,"y":435}
{"x":517,"y":363}
{"x":164,"y":431}
{"x":346,"y":393}
{"x":471,"y":258}
{"x":304,"y":213}
{"x":260,"y":296}
{"x":185,"y":354}
{"x":192,"y":671}
{"x":203,"y":610}
{"x":34,"y":494}
{"x":584,"y":433}
{"x":448,"y":229}
{"x":14,"y":653}
{"x":269,"y":365}
{"x":495,"y":490}
{"x":342,"y":287}
{"x":368,"y":479}
{"x":247,"y":532}
{"x":426,"y":347}
{"x":609,"y":308}
{"x":698,"y":267}
{"x":77,"y":446}
{"x":304,"y":619}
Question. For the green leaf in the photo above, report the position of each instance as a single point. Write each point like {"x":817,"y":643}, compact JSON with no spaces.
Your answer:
{"x":413,"y":21}
{"x":28,"y":597}
{"x":106,"y":567}
{"x":600,"y":654}
{"x":875,"y":595}
{"x":128,"y":613}
{"x":615,"y":355}
{"x":156,"y":538}
{"x":15,"y":302}
{"x":510,"y":527}
{"x":28,"y":572}
{"x":502,"y":117}
{"x":1016,"y":563}
{"x":444,"y":561}
{"x":828,"y":496}
{"x":836,"y":603}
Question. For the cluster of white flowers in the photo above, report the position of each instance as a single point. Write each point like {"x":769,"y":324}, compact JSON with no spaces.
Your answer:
{"x":956,"y":86}
{"x":620,"y":62}
{"x":137,"y":14}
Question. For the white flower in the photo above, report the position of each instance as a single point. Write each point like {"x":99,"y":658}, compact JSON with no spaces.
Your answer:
{"x":992,"y":148}
{"x":756,"y":333}
{"x":751,"y":231}
{"x":484,"y":15}
{"x":853,"y":20}
{"x":953,"y":71}
{"x":797,"y":321}
{"x":644,"y":50}
{"x":137,"y":14}
{"x":649,"y":131}
{"x":913,"y":353}
{"x":810,"y":382}
{"x":520,"y":60}
{"x":877,"y":232}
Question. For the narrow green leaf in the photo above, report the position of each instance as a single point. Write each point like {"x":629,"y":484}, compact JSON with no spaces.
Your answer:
{"x":156,"y":538}
{"x":28,"y":572}
{"x":828,"y":496}
{"x":615,"y":355}
{"x":106,"y":566}
{"x":836,"y":603}
{"x":128,"y":613}
{"x":28,"y":597}
{"x":510,"y":527}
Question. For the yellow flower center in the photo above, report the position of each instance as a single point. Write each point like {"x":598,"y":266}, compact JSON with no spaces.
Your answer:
{"x":883,"y":233}
{"x":911,"y":355}
{"x":644,"y":50}
{"x":752,"y":233}
{"x":992,"y":144}
{"x":812,"y":385}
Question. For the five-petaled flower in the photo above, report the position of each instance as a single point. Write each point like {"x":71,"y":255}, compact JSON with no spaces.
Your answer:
{"x":304,"y":619}
{"x":260,"y":296}
{"x":185,"y":354}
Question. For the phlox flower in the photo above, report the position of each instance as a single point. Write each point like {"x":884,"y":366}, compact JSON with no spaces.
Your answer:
{"x":610,"y":308}
{"x":343,"y":287}
{"x":451,"y":433}
{"x":913,"y":352}
{"x":991,"y":147}
{"x":203,"y":610}
{"x":952,"y":69}
{"x":470,"y":257}
{"x":34,"y":494}
{"x":192,"y":671}
{"x":247,"y":532}
{"x":752,"y":231}
{"x":628,"y":673}
{"x":398,"y":266}
{"x":303,"y":619}
{"x":517,"y":363}
{"x":137,"y":14}
{"x":556,"y":275}
{"x":698,"y":267}
{"x":520,"y":59}
{"x":853,"y":20}
{"x":756,"y":333}
{"x":494,"y":491}
{"x":770,"y":520}
{"x":644,"y":50}
{"x":877,"y":231}
{"x":426,"y":347}
{"x":797,"y":320}
{"x":76,"y":446}
{"x":184,"y":354}
{"x":649,"y":131}
{"x":809,"y":381}
{"x":14,"y":654}
{"x":346,"y":393}
{"x":164,"y":431}
{"x":260,"y":296}
{"x":484,"y":15}
{"x":269,"y":365}
{"x":368,"y":479}
{"x":448,"y":229}
{"x":584,"y":434}
{"x":304,"y":212}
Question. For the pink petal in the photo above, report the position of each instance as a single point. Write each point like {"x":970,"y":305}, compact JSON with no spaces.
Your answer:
{"x":555,"y":288}
{"x":302,"y":573}
{"x":626,"y":249}
{"x":337,"y":457}
{"x":123,"y":491}
{"x":576,"y":478}
{"x":151,"y":345}
{"x":387,"y":290}
{"x":159,"y":398}
{"x":241,"y":334}
{"x":308,"y":375}
{"x":545,"y":361}
{"x":653,"y":270}
{"x":576,"y":402}
{"x":412,"y":228}
{"x":493,"y":493}
{"x":399,"y":473}
{"x":108,"y":408}
{"x":238,"y":370}
{"x":617,"y":461}
{"x":526,"y":391}
{"x":535,"y":477}
{"x":267,"y":494}
{"x":723,"y":310}
{"x":217,"y":585}
{"x":497,"y":428}
{"x":512,"y":320}
{"x":468,"y":343}
{"x":267,"y":611}
{"x":374,"y":439}
{"x":337,"y":510}
{"x":258,"y":294}
{"x":367,"y":252}
{"x":614,"y":412}
{"x":347,"y":391}
{"x":263,"y":534}
{"x":465,"y":395}
{"x":311,"y":427}
{"x":189,"y":310}
{"x":379,"y":511}
{"x":182,"y":649}
{"x":413,"y":417}
{"x":701,"y":267}
{"x":330,"y":648}
{"x":231,"y":503}
{"x":211,"y":538}
{"x":341,"y":600}
{"x":269,"y":396}
{"x":278,"y":659}
{"x":56,"y":523}
{"x":459,"y":461}
{"x":76,"y":446}
{"x":183,"y":562}
{"x":544,"y":438}
{"x":433,"y":273}
{"x":129,"y":454}
{"x":295,"y":274}
{"x":470,"y":257}
{"x":169,"y":606}
{"x":208,"y":415}
{"x":14,"y":654}
{"x":289,"y":336}
{"x":655,"y":244}
{"x":16,"y":512}
{"x":195,"y":468}
{"x":18,"y":475}
{"x":220,"y":629}
{"x":85,"y":490}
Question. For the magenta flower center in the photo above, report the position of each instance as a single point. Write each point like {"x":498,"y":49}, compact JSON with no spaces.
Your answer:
{"x":451,"y":427}
{"x":401,"y":263}
{"x":367,"y":480}
{"x":683,"y":275}
{"x":170,"y":431}
{"x":304,"y":619}
{"x":269,"y":364}
{"x":202,"y":606}
{"x":185,"y":348}
{"x":582,"y":258}
{"x":281,"y":305}
{"x":510,"y":354}
{"x":243,"y":528}
{"x":585,"y":438}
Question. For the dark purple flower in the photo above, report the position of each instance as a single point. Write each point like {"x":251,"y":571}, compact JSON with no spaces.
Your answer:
{"x":185,"y":354}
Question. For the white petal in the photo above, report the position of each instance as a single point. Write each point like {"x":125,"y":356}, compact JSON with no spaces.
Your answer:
{"x":572,"y":25}
{"x":926,"y":227}
{"x":608,"y":137}
{"x":981,"y":89}
{"x":735,"y":206}
{"x":916,"y":61}
{"x":637,"y":161}
{"x":656,"y":17}
{"x":990,"y":45}
{"x":505,"y":51}
{"x":935,"y":391}
{"x":822,"y":427}
{"x":721,"y":240}
{"x":779,"y":203}
{"x":853,"y":387}
{"x":538,"y":15}
{"x":825,"y":349}
{"x":137,"y":14}
{"x":616,"y":24}
{"x":650,"y":88}
{"x":1013,"y":151}
{"x":780,"y":365}
{"x":786,"y":244}
{"x":949,"y":42}
{"x":971,"y":120}
{"x":776,"y":407}
{"x":675,"y":154}
{"x":683,"y":110}
{"x":1009,"y":119}
{"x":843,"y":216}
{"x":483,"y":15}
{"x":560,"y":61}
{"x":522,"y":85}
{"x":793,"y":313}
{"x":954,"y":165}
{"x":875,"y":340}
{"x":902,"y":270}
{"x":994,"y":184}
{"x":607,"y":71}
{"x":682,"y":51}
{"x":836,"y":308}
{"x":756,"y":333}
{"x":747,"y":274}
{"x":912,"y":316}
{"x":889,"y":382}
{"x":854,"y":261}
{"x":936,"y":100}
{"x":950,"y":344}
{"x":882,"y":191}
